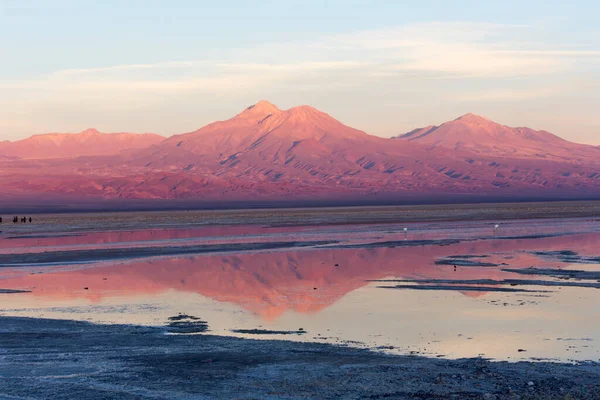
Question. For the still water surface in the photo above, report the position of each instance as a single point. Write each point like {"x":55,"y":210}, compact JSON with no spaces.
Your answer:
{"x":436,"y":288}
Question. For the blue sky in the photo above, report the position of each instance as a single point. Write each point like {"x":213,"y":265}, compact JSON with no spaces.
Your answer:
{"x":382,"y":66}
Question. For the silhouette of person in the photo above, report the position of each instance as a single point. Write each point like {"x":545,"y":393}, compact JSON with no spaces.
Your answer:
{"x":0,"y":220}
{"x":30,"y":220}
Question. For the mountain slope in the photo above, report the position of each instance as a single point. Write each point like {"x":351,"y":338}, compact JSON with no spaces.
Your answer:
{"x":261,"y":133}
{"x":304,"y":155}
{"x":87,"y":143}
{"x":483,"y":136}
{"x":290,"y":152}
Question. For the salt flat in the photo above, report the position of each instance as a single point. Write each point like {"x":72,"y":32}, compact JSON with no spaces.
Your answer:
{"x":437,"y":291}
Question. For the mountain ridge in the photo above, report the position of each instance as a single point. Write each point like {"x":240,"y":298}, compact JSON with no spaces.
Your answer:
{"x":478,"y":134}
{"x":89,"y":142}
{"x":265,"y":153}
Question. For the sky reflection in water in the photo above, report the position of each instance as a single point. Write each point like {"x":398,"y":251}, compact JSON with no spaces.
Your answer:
{"x":327,"y":292}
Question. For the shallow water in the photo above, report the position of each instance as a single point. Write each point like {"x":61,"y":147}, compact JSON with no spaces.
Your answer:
{"x":327,"y":283}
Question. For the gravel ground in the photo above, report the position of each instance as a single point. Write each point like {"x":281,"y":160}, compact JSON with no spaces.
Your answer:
{"x":51,"y":359}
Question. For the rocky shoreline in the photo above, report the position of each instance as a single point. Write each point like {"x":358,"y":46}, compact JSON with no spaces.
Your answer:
{"x":41,"y":359}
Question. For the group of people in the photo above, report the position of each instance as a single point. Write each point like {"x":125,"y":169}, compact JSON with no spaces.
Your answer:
{"x":16,"y":220}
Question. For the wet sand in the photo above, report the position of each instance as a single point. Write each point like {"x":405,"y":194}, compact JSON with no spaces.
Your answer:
{"x":503,"y":282}
{"x":43,"y":359}
{"x":557,"y":273}
{"x":468,"y":288}
{"x":86,"y":256}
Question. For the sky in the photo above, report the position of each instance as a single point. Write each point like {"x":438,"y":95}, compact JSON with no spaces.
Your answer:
{"x":385,"y":67}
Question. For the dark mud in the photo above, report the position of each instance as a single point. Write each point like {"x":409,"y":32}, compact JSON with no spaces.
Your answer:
{"x":398,"y":243}
{"x":268,"y":332}
{"x":568,"y":256}
{"x":49,"y":359}
{"x":538,"y":236}
{"x":462,"y":288}
{"x":467,"y":256}
{"x":557,"y":273}
{"x":11,"y":291}
{"x":96,"y":255}
{"x":186,"y":324}
{"x":44,"y":236}
{"x":511,"y":282}
{"x":464,"y":262}
{"x":183,"y":317}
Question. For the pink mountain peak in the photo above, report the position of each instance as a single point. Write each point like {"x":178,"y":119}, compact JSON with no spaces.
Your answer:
{"x":90,"y":131}
{"x":85,"y":133}
{"x":299,"y":154}
{"x":307,"y":113}
{"x":262,"y":108}
{"x":89,"y":142}
{"x":481,"y":135}
{"x":471,"y":118}
{"x":304,"y":109}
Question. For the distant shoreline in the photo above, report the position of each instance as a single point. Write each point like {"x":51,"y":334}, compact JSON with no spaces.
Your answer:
{"x":74,"y":222}
{"x":19,"y":206}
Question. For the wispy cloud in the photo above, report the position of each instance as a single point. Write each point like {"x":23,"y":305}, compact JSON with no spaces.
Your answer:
{"x":461,"y":49}
{"x":132,"y":67}
{"x":511,"y":95}
{"x":553,"y":53}
{"x":462,"y":61}
{"x":457,"y":49}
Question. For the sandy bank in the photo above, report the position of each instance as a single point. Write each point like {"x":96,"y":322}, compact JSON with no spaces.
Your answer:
{"x":62,"y":359}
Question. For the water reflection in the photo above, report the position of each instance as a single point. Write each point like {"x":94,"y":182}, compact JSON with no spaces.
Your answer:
{"x":272,"y":283}
{"x":328,"y":290}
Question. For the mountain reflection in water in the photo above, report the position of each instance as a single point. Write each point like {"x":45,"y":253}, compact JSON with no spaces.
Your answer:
{"x":305,"y":281}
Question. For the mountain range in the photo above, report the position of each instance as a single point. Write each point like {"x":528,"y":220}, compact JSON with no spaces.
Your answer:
{"x":301,"y":155}
{"x":87,"y":143}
